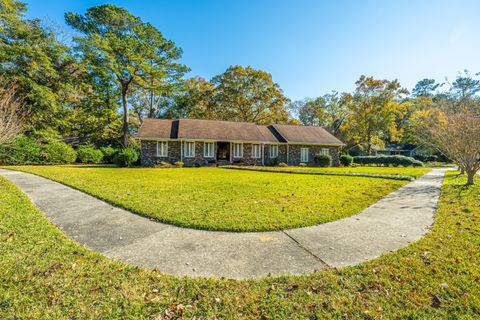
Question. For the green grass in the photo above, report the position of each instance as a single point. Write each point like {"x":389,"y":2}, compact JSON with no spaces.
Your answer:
{"x":396,"y":173}
{"x":46,"y":275}
{"x":231,"y":200}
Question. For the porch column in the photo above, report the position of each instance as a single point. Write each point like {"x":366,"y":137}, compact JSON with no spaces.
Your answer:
{"x":181,"y":150}
{"x":263,"y":154}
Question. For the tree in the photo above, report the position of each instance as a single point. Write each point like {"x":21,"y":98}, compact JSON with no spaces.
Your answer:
{"x":123,"y":47}
{"x":246,"y":94}
{"x":425,"y":88}
{"x":455,"y":133}
{"x":12,"y":114}
{"x":43,"y":69}
{"x":372,"y":112}
{"x":328,"y":112}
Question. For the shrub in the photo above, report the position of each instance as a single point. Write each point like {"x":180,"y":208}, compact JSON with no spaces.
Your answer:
{"x":58,"y":153}
{"x":23,"y":150}
{"x":346,"y":160}
{"x":282,"y":164}
{"x":126,"y":157}
{"x":302,"y":164}
{"x":179,"y":164}
{"x":88,"y":154}
{"x":388,"y":160}
{"x":108,"y":154}
{"x":322,"y":160}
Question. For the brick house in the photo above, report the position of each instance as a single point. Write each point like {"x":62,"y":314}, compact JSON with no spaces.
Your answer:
{"x":210,"y":142}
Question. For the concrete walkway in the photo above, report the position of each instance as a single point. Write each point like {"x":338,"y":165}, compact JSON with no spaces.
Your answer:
{"x":395,"y":221}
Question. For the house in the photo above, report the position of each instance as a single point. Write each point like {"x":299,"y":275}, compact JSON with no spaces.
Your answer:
{"x":209,"y":142}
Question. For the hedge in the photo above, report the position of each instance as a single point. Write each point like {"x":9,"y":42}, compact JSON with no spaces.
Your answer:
{"x":383,"y":160}
{"x":87,"y":154}
{"x":58,"y":153}
{"x":346,"y":160}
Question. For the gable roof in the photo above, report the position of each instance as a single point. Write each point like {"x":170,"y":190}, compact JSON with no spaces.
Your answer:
{"x":197,"y":129}
{"x":306,"y":134}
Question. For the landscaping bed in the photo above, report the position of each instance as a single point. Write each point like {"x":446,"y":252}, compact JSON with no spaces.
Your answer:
{"x":229,"y":200}
{"x":46,"y":275}
{"x":396,"y":173}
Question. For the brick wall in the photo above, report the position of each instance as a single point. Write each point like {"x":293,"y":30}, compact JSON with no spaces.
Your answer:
{"x":149,"y":154}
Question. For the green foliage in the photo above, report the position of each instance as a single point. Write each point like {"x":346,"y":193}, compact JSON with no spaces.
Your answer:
{"x":252,"y":205}
{"x":388,"y":161}
{"x":41,"y":66}
{"x":346,"y":160}
{"x":163,"y":164}
{"x":88,"y":154}
{"x":108,"y":154}
{"x":58,"y":153}
{"x":23,"y":150}
{"x":250,"y":95}
{"x":120,"y":47}
{"x":126,"y":157}
{"x":322,"y":160}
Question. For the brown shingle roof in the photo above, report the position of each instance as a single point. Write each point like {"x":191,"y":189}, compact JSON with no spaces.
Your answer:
{"x":157,"y":128}
{"x":233,"y":131}
{"x":306,"y":134}
{"x":218,"y":130}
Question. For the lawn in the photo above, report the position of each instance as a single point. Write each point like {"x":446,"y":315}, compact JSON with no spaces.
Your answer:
{"x":401,"y":173}
{"x":231,"y":200}
{"x":46,"y":275}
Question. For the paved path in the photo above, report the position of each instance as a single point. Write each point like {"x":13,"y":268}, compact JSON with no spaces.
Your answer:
{"x":396,"y":220}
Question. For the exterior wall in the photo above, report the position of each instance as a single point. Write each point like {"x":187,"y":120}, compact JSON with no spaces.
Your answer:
{"x":294,"y":154}
{"x":148,"y":157}
{"x":247,"y":158}
{"x":282,"y":155}
{"x":149,"y":154}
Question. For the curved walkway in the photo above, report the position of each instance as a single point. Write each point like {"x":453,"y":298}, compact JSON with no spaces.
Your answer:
{"x":401,"y":217}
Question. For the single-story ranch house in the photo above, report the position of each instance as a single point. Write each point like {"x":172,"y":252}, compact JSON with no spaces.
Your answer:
{"x":210,"y":142}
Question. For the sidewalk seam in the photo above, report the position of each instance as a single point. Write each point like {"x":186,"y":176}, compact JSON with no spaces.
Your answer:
{"x":301,"y":246}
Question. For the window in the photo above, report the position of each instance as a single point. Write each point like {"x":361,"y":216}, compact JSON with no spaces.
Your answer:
{"x":256,"y":151}
{"x":162,"y":149}
{"x":273,"y":151}
{"x":303,"y":154}
{"x":189,"y":149}
{"x":238,"y":150}
{"x":208,"y":149}
{"x":325,"y":151}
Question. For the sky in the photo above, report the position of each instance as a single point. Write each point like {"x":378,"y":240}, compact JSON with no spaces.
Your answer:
{"x":310,"y":47}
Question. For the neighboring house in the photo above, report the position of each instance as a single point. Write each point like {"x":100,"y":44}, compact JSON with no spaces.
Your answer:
{"x":210,"y":142}
{"x":392,"y":149}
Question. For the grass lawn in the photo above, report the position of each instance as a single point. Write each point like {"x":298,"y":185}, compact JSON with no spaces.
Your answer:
{"x":46,"y":275}
{"x":385,"y":172}
{"x":217,"y":199}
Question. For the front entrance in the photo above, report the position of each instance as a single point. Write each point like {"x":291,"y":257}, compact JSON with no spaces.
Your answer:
{"x":223,"y":151}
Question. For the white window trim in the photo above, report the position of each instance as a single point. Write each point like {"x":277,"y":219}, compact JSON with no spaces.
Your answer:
{"x":258,"y":155}
{"x":235,"y":155}
{"x":187,"y":155}
{"x":205,"y":155}
{"x":326,"y":151}
{"x":271,"y":148}
{"x":159,"y":149}
{"x":302,"y":159}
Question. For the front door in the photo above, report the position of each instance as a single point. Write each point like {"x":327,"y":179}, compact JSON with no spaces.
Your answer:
{"x":223,"y":151}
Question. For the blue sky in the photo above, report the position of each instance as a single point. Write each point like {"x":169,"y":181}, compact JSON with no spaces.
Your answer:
{"x":310,"y":46}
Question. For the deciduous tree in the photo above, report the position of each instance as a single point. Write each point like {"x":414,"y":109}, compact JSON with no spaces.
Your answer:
{"x":373,"y":110}
{"x":250,"y":95}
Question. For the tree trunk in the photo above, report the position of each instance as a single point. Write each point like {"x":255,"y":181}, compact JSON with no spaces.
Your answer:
{"x":471,"y":177}
{"x":125,"y":116}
